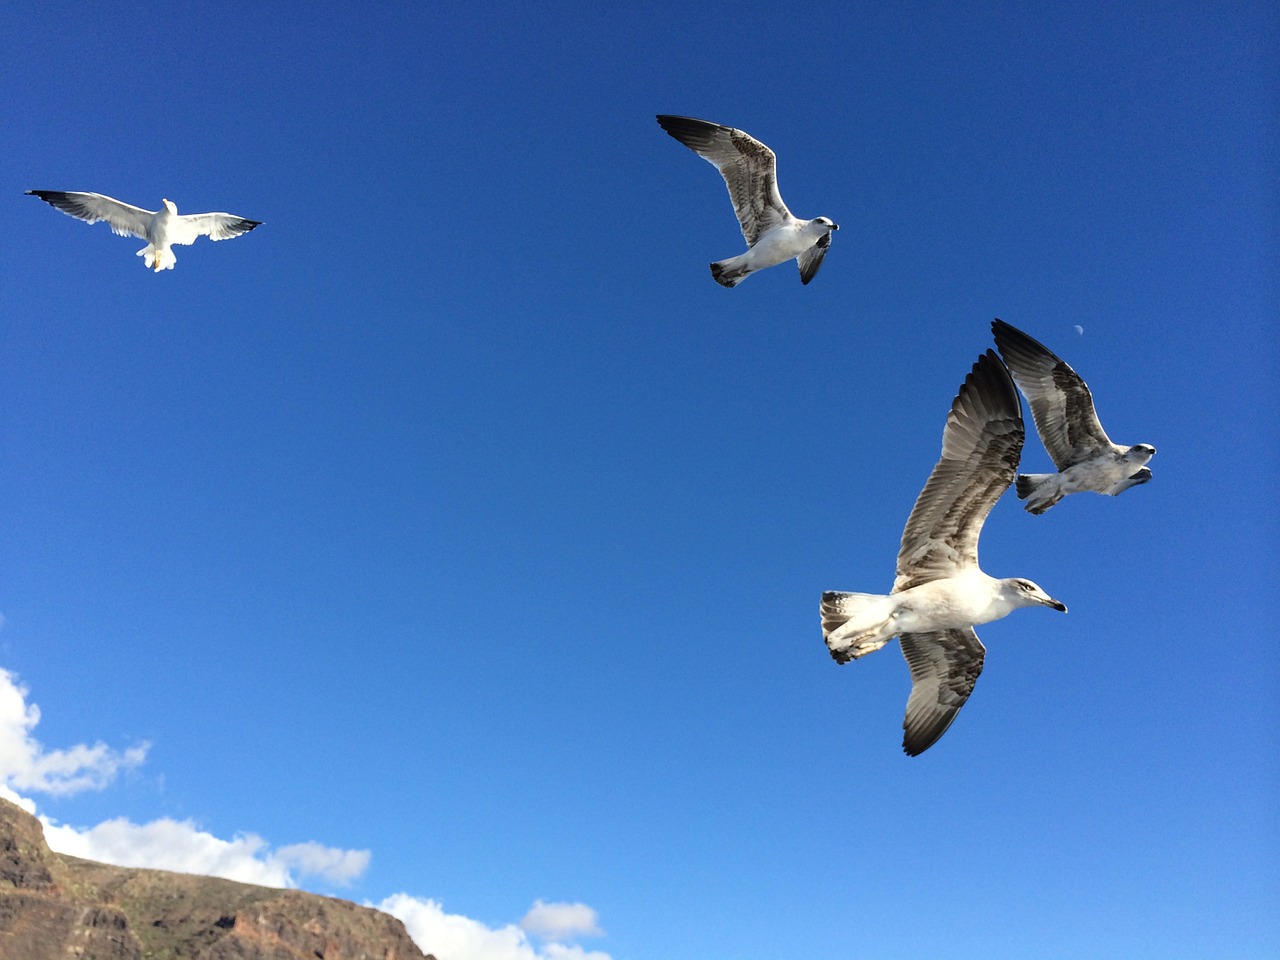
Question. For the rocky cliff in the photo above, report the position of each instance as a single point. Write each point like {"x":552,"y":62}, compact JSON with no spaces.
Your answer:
{"x":54,"y":906}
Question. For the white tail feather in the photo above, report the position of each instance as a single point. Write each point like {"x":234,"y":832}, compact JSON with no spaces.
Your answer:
{"x":855,"y":624}
{"x":1040,"y":490}
{"x":150,"y":255}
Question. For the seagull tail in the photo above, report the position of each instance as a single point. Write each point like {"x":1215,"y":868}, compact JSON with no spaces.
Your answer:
{"x":729,"y":274}
{"x":157,"y":259}
{"x":855,"y":624}
{"x":1040,"y":490}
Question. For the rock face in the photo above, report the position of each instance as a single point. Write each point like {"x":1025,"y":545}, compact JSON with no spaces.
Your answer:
{"x":55,"y":907}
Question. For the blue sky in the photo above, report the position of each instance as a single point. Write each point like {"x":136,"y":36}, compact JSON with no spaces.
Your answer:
{"x":453,"y":542}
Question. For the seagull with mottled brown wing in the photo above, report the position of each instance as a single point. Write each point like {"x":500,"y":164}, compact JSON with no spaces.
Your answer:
{"x":1068,"y":424}
{"x":749,"y":169}
{"x":940,"y":592}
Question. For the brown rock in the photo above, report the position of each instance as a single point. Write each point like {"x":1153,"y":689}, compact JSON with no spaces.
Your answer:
{"x":54,"y":907}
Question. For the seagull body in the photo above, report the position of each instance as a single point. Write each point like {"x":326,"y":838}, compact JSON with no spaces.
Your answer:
{"x":749,"y":169}
{"x":160,"y":228}
{"x":940,"y":593}
{"x":1068,"y":424}
{"x":968,"y":598}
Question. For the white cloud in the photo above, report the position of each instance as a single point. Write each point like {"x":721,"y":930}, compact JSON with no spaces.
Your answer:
{"x":23,"y":802}
{"x":180,"y":846}
{"x":451,"y":936}
{"x":560,"y":921}
{"x":161,"y":844}
{"x":26,"y":765}
{"x":562,"y":951}
{"x":170,"y":845}
{"x":316,"y":860}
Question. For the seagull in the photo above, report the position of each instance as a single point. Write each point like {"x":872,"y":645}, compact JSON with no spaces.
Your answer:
{"x":940,"y":593}
{"x":159,"y":228}
{"x":749,"y":169}
{"x":1062,"y":408}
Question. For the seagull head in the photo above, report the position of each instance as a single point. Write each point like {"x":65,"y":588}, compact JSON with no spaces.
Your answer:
{"x":827,"y":222}
{"x":170,"y":206}
{"x":1140,"y":453}
{"x":1028,"y":594}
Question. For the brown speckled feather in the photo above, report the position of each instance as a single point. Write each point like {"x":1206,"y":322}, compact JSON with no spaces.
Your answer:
{"x":981,"y":446}
{"x":944,"y":668}
{"x":749,"y":169}
{"x":1061,"y":403}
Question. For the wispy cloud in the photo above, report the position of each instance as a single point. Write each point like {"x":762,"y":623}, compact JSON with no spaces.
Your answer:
{"x":560,"y":921}
{"x":26,"y":765}
{"x":451,"y":936}
{"x":341,"y":867}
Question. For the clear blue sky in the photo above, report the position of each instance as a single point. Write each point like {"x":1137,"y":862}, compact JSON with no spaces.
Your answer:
{"x":456,"y":515}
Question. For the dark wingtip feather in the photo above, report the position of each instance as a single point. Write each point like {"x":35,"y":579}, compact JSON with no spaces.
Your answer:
{"x":921,"y":733}
{"x":1018,"y":347}
{"x":1007,"y":331}
{"x":690,"y":131}
{"x":669,"y":120}
{"x":990,"y":380}
{"x":920,"y":739}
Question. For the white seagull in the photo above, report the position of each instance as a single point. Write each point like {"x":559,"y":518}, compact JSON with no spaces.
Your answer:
{"x":940,"y":593}
{"x":749,"y":169}
{"x":160,"y":228}
{"x":1067,"y":422}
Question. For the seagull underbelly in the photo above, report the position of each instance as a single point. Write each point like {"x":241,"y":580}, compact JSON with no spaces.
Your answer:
{"x":1098,"y":474}
{"x":948,"y":604}
{"x":778,"y":246}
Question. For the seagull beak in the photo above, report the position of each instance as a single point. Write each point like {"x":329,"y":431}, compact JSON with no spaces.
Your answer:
{"x":1056,"y":604}
{"x":835,"y":226}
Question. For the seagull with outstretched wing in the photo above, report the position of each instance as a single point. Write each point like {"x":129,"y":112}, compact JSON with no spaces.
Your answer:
{"x":749,"y":169}
{"x":1068,"y":424}
{"x":940,"y":592}
{"x":160,"y":228}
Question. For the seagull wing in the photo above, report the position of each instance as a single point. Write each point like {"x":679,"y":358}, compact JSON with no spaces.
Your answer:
{"x":944,"y":667}
{"x":1061,"y":403}
{"x":749,"y":169}
{"x":811,"y":259}
{"x":981,"y":444}
{"x":186,"y":229}
{"x":124,"y":220}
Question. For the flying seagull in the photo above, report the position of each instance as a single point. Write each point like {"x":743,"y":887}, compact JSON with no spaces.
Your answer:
{"x":749,"y":169}
{"x":940,"y":593}
{"x":159,"y":228}
{"x":1062,"y":408}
